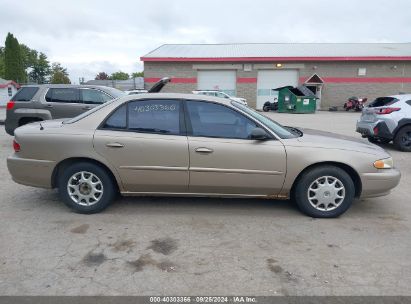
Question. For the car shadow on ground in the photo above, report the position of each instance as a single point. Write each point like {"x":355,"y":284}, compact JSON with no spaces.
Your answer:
{"x":145,"y":205}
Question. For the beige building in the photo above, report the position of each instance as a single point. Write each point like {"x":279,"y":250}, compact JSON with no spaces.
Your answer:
{"x":332,"y":71}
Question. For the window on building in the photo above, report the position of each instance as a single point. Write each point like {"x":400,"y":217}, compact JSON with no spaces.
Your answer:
{"x":10,"y":91}
{"x":362,"y":71}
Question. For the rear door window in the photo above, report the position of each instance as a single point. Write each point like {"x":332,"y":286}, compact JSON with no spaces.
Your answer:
{"x":160,"y":116}
{"x":63,"y":95}
{"x":25,"y":94}
{"x":92,"y":96}
{"x":382,"y":102}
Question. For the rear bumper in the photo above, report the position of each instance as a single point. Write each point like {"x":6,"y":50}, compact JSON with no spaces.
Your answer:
{"x":379,"y":183}
{"x":31,"y":172}
{"x":377,"y":129}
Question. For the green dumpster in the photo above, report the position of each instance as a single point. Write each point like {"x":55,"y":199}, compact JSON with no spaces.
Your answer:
{"x":296,"y":100}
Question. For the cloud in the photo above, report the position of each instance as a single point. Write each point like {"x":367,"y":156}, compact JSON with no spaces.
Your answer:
{"x":92,"y":36}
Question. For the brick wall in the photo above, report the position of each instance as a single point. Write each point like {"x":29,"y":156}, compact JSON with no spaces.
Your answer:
{"x":333,"y":94}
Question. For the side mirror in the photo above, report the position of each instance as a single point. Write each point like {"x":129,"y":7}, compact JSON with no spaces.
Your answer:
{"x":259,"y":134}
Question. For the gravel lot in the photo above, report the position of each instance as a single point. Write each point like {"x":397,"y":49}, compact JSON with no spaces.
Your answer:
{"x":193,"y":246}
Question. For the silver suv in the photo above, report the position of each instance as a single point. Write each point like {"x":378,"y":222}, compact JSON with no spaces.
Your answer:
{"x":221,"y":95}
{"x":388,"y":119}
{"x":43,"y":102}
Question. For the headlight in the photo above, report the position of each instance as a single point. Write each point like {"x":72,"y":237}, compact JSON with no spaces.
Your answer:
{"x":386,"y":163}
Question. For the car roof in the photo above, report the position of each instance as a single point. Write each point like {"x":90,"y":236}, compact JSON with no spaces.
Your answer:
{"x":401,"y":96}
{"x":177,"y":96}
{"x":67,"y":86}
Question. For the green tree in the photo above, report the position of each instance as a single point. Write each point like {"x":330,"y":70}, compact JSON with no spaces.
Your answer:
{"x":102,"y":76}
{"x":13,"y":61}
{"x":137,"y":74}
{"x":59,"y":74}
{"x":119,"y":76}
{"x":41,"y":69}
{"x":2,"y":62}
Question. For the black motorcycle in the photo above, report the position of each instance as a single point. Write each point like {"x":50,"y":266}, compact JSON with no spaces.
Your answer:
{"x":270,"y":106}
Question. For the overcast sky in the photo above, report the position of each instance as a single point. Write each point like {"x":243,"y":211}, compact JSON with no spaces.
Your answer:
{"x":92,"y":36}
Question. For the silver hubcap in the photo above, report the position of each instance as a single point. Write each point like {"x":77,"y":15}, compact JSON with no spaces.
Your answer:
{"x":326,"y":193}
{"x":85,"y":188}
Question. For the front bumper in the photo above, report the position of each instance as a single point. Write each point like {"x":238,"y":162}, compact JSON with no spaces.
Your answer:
{"x":31,"y":172}
{"x":377,"y":129}
{"x":379,"y":183}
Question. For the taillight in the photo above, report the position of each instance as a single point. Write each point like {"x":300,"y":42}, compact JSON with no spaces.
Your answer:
{"x":386,"y":111}
{"x":16,"y":146}
{"x":375,"y":130}
{"x":10,"y":105}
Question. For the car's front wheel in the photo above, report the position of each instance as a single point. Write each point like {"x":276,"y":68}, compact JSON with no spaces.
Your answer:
{"x":402,"y":140}
{"x":86,"y":188}
{"x":266,"y":108}
{"x":324,"y":192}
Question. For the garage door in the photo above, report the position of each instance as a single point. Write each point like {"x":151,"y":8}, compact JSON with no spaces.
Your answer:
{"x":270,"y":79}
{"x":224,"y":81}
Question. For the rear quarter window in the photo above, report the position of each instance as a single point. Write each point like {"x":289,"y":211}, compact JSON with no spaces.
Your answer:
{"x":382,"y":102}
{"x":25,"y":94}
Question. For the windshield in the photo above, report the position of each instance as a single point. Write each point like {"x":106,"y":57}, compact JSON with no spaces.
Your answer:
{"x":278,"y":129}
{"x":85,"y":114}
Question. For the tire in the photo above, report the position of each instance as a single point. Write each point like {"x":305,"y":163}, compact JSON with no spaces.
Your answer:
{"x":402,"y":140}
{"x":266,"y":108}
{"x":372,"y":140}
{"x":315,"y":178}
{"x":97,"y":201}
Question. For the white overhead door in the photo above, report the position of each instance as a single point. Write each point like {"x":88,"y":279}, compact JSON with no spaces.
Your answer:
{"x":224,"y":81}
{"x":272,"y":79}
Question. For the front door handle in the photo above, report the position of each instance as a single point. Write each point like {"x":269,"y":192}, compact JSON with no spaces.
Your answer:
{"x":49,"y":106}
{"x":114,"y":145}
{"x":86,"y":108}
{"x":204,"y":150}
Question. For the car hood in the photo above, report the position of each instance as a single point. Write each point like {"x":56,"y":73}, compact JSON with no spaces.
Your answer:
{"x":328,"y":140}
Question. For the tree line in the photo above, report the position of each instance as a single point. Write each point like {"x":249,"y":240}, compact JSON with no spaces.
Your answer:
{"x":22,"y":64}
{"x":118,"y":75}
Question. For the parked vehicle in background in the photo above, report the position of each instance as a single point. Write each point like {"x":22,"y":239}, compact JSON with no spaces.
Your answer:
{"x":196,"y":145}
{"x":271,"y":106}
{"x":52,"y":101}
{"x":355,"y":103}
{"x":134,"y":92}
{"x":388,"y":119}
{"x":220,"y":95}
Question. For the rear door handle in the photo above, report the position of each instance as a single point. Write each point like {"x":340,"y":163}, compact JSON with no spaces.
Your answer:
{"x":204,"y":150}
{"x":114,"y":145}
{"x":49,"y":106}
{"x":86,"y":108}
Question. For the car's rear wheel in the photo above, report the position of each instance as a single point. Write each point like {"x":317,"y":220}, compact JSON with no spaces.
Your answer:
{"x":402,"y":140}
{"x":86,"y":188}
{"x":324,"y":192}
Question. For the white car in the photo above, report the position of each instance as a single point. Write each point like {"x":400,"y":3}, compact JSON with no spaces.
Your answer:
{"x":221,"y":95}
{"x":138,"y":91}
{"x":388,"y":119}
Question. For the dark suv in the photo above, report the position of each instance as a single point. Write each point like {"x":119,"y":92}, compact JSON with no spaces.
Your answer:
{"x":42,"y":102}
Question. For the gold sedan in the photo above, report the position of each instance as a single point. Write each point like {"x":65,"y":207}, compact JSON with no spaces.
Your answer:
{"x":193,"y":145}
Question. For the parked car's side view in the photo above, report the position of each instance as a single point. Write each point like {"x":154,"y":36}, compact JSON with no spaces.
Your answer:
{"x":388,"y":119}
{"x":43,"y":102}
{"x":193,"y":145}
{"x":220,"y":95}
